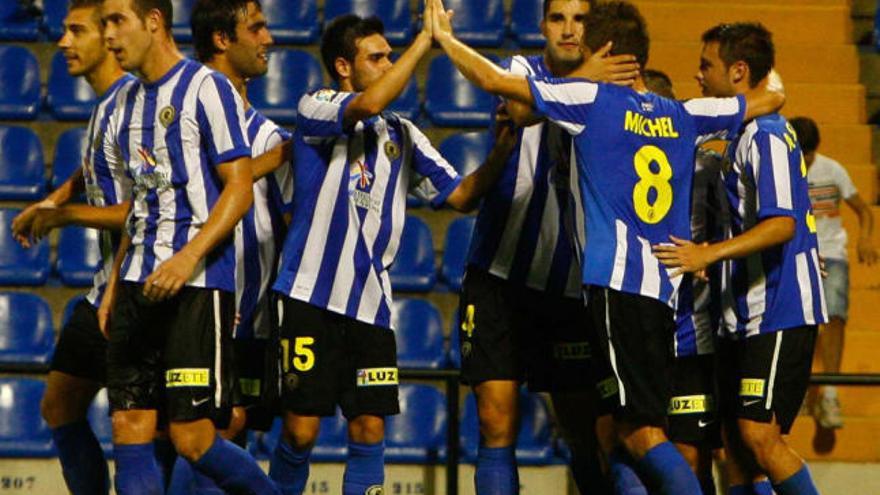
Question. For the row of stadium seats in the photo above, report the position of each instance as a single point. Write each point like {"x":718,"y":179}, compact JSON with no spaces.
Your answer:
{"x":27,"y":333}
{"x":416,"y":435}
{"x":450,"y":100}
{"x":479,"y":23}
{"x":78,"y":256}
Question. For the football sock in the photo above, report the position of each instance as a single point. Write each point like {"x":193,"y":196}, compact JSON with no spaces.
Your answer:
{"x":800,"y":483}
{"x":166,"y":456}
{"x":364,"y":468}
{"x":290,"y":468}
{"x":137,"y":472}
{"x":668,"y":471}
{"x":181,"y":482}
{"x":234,"y":470}
{"x":624,"y":478}
{"x":82,"y":460}
{"x":496,"y":471}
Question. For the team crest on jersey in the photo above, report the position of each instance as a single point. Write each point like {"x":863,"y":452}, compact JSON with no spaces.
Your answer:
{"x":392,"y":150}
{"x":166,"y":115}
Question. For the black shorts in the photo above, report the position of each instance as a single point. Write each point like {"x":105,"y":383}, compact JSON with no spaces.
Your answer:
{"x":173,"y":356}
{"x":81,"y":350}
{"x":509,"y":332}
{"x":693,"y":407}
{"x":767,"y":375}
{"x":256,"y":363}
{"x":636,"y":334}
{"x":329,"y":359}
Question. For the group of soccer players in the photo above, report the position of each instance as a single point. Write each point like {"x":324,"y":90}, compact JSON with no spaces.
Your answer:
{"x":595,"y":208}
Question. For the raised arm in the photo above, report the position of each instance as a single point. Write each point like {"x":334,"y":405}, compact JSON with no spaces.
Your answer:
{"x":766,"y":98}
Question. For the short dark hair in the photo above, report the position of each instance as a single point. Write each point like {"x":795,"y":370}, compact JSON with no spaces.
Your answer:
{"x":658,"y":83}
{"x":141,"y":7}
{"x":807,"y":133}
{"x":211,"y":16}
{"x":548,"y":2}
{"x":749,"y":42}
{"x":621,"y":23}
{"x":340,"y":38}
{"x":88,"y":4}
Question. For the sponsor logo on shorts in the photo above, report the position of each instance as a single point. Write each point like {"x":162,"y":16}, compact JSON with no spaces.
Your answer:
{"x":291,"y":381}
{"x":187,"y":377}
{"x":249,"y":386}
{"x":571,"y":351}
{"x":751,"y":387}
{"x":691,"y":404}
{"x":375,"y":377}
{"x":607,"y":388}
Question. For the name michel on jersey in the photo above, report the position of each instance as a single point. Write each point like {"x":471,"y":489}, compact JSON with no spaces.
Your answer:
{"x":661,"y":127}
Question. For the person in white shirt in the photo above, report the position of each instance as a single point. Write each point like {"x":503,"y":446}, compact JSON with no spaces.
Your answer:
{"x":829,"y":184}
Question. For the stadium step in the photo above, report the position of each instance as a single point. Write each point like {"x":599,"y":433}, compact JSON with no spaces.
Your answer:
{"x":686,"y":21}
{"x":862,"y":276}
{"x":825,"y":103}
{"x":846,"y":143}
{"x":865,"y":179}
{"x":855,"y":442}
{"x":796,"y":62}
{"x":864,"y":307}
{"x":861,"y":348}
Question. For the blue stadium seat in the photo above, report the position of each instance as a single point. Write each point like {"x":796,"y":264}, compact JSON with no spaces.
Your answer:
{"x":478,"y":23}
{"x":452,"y":101}
{"x":69,"y":307}
{"x":331,"y":446}
{"x":418,"y":433}
{"x":419,"y":332}
{"x":407,"y":104}
{"x":395,"y":15}
{"x":466,"y":151}
{"x":292,"y":22}
{"x":68,"y":155}
{"x":292,"y":73}
{"x":16,"y":24}
{"x":69,"y":98}
{"x":525,"y":22}
{"x":99,"y":418}
{"x":22,"y":169}
{"x":19,"y":266}
{"x":19,"y":83}
{"x":533,"y":446}
{"x":79,"y":255}
{"x":27,"y":335}
{"x":454,"y":355}
{"x":413,"y":270}
{"x":23,"y":433}
{"x":455,"y":251}
{"x":54,"y":12}
{"x":180,"y":27}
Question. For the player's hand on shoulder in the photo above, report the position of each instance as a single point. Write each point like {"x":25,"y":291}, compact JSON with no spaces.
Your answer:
{"x":167,"y":280}
{"x":616,"y":69}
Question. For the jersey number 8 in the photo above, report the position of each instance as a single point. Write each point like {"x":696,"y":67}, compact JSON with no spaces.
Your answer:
{"x":648,"y":212}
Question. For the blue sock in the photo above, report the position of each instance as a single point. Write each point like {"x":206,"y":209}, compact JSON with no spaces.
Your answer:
{"x":82,"y":460}
{"x":364,"y":468}
{"x":496,"y":472}
{"x":290,"y":468}
{"x":624,"y":479}
{"x":166,"y":456}
{"x":234,"y":470}
{"x":181,"y":478}
{"x":137,"y":472}
{"x":800,"y":483}
{"x":668,"y":471}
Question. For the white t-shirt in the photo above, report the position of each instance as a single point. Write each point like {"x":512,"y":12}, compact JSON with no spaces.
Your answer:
{"x":829,"y":183}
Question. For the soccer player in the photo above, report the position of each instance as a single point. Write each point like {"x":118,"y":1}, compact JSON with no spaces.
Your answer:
{"x":78,"y":367}
{"x":635,"y":157}
{"x":772,"y":296}
{"x":521,"y":307}
{"x":693,"y":423}
{"x":180,"y":133}
{"x":354,"y":163}
{"x":231,"y":37}
{"x":829,"y":183}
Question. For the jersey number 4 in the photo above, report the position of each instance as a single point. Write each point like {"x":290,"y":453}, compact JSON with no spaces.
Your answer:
{"x":658,"y":181}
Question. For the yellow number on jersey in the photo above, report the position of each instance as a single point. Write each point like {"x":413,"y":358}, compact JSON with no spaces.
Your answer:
{"x":811,"y":222}
{"x":659,"y":182}
{"x":303,"y":357}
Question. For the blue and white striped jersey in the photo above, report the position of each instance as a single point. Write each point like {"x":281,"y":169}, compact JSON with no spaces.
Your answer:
{"x":780,"y":287}
{"x":699,"y":310}
{"x":349,"y":202}
{"x":105,"y":185}
{"x":522,"y":232}
{"x":635,"y":155}
{"x":259,"y":234}
{"x":170,"y":135}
